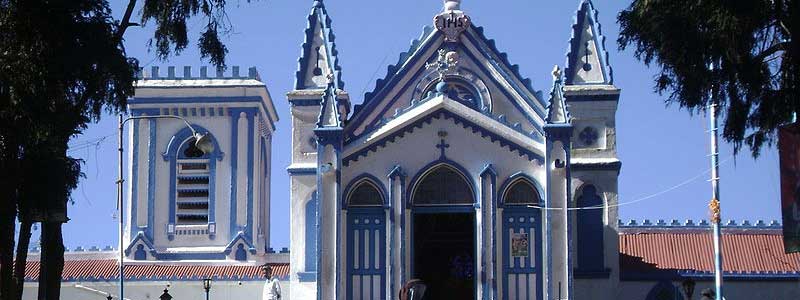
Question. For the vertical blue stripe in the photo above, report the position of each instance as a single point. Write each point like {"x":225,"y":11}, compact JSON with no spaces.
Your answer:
{"x":151,"y":178}
{"x":134,"y":178}
{"x":234,"y":114}
{"x":250,"y":171}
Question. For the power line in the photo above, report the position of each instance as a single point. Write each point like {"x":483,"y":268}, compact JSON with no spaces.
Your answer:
{"x":683,"y":183}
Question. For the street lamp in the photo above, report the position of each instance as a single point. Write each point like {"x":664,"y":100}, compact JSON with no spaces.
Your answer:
{"x":207,"y":286}
{"x":201,"y":140}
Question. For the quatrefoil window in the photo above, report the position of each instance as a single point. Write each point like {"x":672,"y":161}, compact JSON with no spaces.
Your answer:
{"x":588,"y":136}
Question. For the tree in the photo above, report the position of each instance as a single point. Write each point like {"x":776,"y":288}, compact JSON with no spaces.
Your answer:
{"x":756,"y":62}
{"x":62,"y":65}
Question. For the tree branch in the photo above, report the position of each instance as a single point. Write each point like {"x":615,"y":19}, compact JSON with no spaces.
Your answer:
{"x":126,"y":20}
{"x":782,"y":46}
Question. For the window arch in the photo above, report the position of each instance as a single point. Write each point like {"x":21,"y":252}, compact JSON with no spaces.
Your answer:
{"x":521,"y":192}
{"x":443,"y":185}
{"x":664,"y":290}
{"x":365,"y":193}
{"x":193,"y":174}
{"x":590,"y":230}
{"x":191,"y":183}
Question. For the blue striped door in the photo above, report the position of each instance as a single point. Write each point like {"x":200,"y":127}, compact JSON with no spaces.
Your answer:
{"x":366,"y":253}
{"x":522,"y":262}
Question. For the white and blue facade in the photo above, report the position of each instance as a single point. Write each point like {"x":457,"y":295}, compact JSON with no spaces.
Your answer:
{"x":453,"y":162}
{"x":186,"y":205}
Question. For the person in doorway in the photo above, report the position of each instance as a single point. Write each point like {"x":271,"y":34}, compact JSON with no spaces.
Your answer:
{"x":414,"y":289}
{"x":272,"y":288}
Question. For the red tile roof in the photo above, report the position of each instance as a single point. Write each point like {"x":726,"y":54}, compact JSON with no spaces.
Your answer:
{"x":92,"y":269}
{"x":745,"y":253}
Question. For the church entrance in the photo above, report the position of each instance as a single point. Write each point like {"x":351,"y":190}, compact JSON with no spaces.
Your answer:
{"x":443,"y":233}
{"x":444,"y":254}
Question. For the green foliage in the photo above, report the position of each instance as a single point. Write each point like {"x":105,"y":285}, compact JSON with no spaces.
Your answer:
{"x":755,"y":60}
{"x":62,"y":65}
{"x":171,"y":18}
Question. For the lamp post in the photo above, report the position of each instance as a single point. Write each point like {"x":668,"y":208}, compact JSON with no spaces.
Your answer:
{"x":202,"y":141}
{"x":207,"y":286}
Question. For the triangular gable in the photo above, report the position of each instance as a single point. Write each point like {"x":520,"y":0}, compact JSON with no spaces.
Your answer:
{"x":587,"y":59}
{"x":141,"y":238}
{"x":498,"y":129}
{"x":493,"y":66}
{"x":319,"y":58}
{"x":240,"y":238}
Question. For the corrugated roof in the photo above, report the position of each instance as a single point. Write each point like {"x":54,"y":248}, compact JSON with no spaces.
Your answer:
{"x":745,"y":253}
{"x":107,"y":270}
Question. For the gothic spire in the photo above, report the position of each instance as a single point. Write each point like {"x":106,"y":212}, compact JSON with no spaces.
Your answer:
{"x":557,"y":112}
{"x":587,"y":59}
{"x":319,"y":58}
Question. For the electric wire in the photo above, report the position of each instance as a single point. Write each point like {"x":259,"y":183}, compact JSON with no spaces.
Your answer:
{"x":648,"y":197}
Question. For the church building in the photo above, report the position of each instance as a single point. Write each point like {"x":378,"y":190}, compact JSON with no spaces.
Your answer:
{"x":453,"y":170}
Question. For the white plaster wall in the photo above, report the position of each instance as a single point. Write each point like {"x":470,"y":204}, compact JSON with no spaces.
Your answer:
{"x":301,"y":189}
{"x":143,"y":290}
{"x":417,"y":149}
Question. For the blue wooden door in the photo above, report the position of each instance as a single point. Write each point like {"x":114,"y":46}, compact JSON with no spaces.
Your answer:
{"x":366,"y":253}
{"x":522,"y":259}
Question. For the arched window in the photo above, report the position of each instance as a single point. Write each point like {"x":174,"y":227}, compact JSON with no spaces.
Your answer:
{"x":365,"y":194}
{"x":192,"y":185}
{"x":443,"y":185}
{"x":521,"y":192}
{"x":664,"y":291}
{"x":590,"y":230}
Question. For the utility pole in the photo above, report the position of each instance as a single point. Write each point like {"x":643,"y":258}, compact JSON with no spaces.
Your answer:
{"x":714,"y":204}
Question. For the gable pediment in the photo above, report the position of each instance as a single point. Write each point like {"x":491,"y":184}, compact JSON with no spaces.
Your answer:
{"x":497,"y":128}
{"x":495,"y":83}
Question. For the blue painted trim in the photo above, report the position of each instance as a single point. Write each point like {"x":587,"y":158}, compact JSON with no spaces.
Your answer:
{"x":234,"y":116}
{"x":205,"y":100}
{"x":590,"y":248}
{"x":440,"y":114}
{"x":301,"y":171}
{"x":376,"y":213}
{"x":591,"y":98}
{"x":395,"y":73}
{"x":397,"y":174}
{"x":250,"y":171}
{"x":307,"y":276}
{"x":319,"y":15}
{"x":151,"y":178}
{"x":134,"y":197}
{"x":613,"y":166}
{"x":511,"y":217}
{"x":141,"y":237}
{"x":311,"y":232}
{"x":173,"y":152}
{"x":489,"y":286}
{"x":144,"y":111}
{"x":513,"y":179}
{"x":240,"y":237}
{"x":441,"y":162}
{"x":522,"y":91}
{"x":360,"y":179}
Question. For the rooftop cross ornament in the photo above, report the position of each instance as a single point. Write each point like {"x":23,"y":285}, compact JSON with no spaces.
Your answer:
{"x":442,"y":145}
{"x":444,"y":64}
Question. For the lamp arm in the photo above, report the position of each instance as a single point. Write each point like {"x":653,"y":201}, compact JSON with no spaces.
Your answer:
{"x":194,"y":132}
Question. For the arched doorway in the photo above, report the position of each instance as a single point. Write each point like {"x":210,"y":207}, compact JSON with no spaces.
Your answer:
{"x":522,"y":240}
{"x":366,"y":240}
{"x":443,"y":233}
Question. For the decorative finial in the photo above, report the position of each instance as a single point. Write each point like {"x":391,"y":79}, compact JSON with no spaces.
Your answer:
{"x":445,"y":63}
{"x":556,"y":73}
{"x":452,"y":5}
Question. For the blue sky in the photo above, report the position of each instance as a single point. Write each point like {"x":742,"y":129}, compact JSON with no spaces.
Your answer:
{"x":661,"y":146}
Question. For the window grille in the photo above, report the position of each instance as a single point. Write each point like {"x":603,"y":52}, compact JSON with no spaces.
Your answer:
{"x":192,"y":186}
